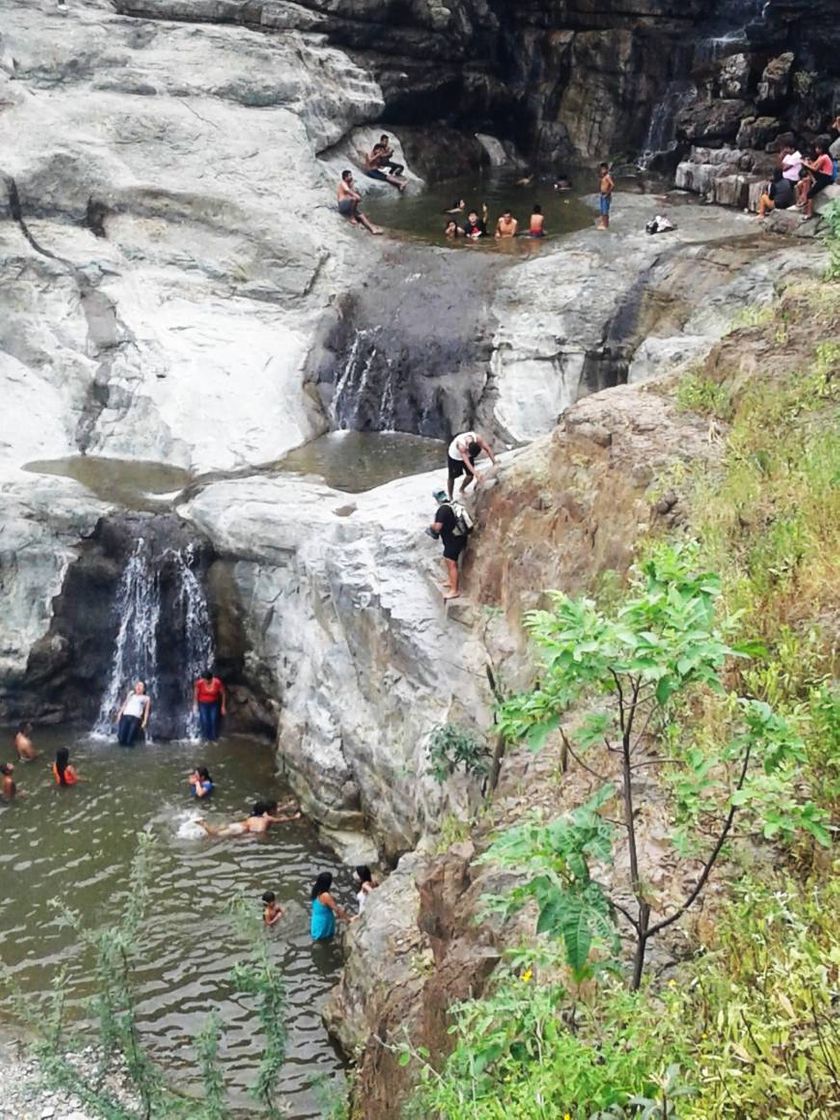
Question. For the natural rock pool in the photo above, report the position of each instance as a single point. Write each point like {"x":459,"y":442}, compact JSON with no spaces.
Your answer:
{"x":72,"y":848}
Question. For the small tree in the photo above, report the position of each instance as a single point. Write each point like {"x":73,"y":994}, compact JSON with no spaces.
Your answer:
{"x":662,"y":645}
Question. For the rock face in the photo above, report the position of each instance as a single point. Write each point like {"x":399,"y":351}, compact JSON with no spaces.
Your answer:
{"x":347,"y":633}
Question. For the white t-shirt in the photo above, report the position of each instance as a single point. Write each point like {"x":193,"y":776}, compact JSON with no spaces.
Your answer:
{"x":791,"y":166}
{"x":135,"y":705}
{"x":461,"y":443}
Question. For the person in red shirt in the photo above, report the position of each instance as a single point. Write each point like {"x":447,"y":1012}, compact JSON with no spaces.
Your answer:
{"x":821,"y":174}
{"x":209,"y":701}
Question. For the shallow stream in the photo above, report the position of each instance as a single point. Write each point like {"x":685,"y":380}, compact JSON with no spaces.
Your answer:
{"x":72,"y":848}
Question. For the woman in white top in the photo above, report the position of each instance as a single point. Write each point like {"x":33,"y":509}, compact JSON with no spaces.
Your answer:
{"x":366,"y":885}
{"x":133,"y":715}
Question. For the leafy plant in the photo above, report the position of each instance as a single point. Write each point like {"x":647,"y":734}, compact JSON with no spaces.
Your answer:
{"x":832,"y":240}
{"x":663,"y":644}
{"x":696,"y":393}
{"x":452,"y":747}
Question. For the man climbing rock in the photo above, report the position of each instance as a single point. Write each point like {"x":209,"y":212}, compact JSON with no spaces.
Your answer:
{"x":461,"y":456}
{"x":452,"y":525}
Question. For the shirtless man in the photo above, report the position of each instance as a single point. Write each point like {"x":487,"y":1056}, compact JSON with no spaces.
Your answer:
{"x":386,"y":155}
{"x":373,"y":169}
{"x":8,"y":788}
{"x":461,"y":456}
{"x":23,"y":743}
{"x":507,"y":225}
{"x":261,"y":819}
{"x":348,"y":203}
{"x":606,"y":186}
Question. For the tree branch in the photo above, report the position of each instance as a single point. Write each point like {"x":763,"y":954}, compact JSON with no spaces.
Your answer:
{"x":579,"y":760}
{"x":710,"y":862}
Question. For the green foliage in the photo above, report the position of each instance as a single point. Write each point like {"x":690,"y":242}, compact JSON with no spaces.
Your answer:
{"x":663,"y":644}
{"x":571,"y":905}
{"x":761,"y":1006}
{"x":115,"y":949}
{"x":527,"y":1052}
{"x":696,"y":393}
{"x":452,"y":747}
{"x":261,"y":977}
{"x":832,"y":239}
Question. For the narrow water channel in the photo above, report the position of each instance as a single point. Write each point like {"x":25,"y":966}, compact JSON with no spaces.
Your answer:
{"x":72,"y":847}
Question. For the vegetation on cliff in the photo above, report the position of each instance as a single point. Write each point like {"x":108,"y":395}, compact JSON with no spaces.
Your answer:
{"x":739,"y":1017}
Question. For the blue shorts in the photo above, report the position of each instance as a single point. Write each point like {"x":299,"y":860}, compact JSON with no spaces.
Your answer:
{"x":604,"y":201}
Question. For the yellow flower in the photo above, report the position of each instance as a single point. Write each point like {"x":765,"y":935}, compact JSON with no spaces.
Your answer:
{"x":527,"y":976}
{"x":567,"y":1117}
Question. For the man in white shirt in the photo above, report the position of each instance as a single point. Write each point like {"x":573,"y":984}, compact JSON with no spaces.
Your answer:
{"x":461,"y":456}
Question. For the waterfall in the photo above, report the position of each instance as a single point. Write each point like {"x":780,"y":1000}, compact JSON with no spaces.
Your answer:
{"x":135,"y":652}
{"x":661,"y":133}
{"x":164,"y":637}
{"x":353,"y":381}
{"x":199,"y":650}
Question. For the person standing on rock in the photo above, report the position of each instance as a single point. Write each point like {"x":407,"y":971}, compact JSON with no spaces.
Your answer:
{"x":133,"y":716}
{"x":606,"y":186}
{"x":23,"y":742}
{"x":325,"y":909}
{"x":348,"y":203}
{"x":460,"y":459}
{"x":209,"y":700}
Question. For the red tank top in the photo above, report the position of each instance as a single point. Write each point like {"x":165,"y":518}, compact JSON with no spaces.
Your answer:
{"x":70,"y":778}
{"x":206,"y":692}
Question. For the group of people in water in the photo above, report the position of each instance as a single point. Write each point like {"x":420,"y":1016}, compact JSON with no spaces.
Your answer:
{"x":798,"y":179}
{"x":210,"y":700}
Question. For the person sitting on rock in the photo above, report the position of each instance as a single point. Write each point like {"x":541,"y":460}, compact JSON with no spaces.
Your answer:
{"x":507,"y":225}
{"x":348,"y":203}
{"x":778,"y":195}
{"x":790,"y":162}
{"x":460,"y":459}
{"x":820,"y":174}
{"x":23,"y":742}
{"x":386,"y":156}
{"x":373,"y":170}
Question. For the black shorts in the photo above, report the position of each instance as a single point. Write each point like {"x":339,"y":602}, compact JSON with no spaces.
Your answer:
{"x":377,"y":175}
{"x":458,"y":467}
{"x":453,"y":547}
{"x":820,"y":183}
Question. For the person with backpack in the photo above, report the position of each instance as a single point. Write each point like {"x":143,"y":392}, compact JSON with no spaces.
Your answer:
{"x":452,"y":525}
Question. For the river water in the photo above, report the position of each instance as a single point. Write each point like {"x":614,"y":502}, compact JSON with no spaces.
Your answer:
{"x":72,"y":848}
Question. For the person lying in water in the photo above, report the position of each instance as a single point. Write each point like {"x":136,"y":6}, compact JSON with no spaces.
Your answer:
{"x":261,"y":819}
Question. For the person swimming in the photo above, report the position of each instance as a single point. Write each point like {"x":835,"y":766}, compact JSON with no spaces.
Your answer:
{"x":452,"y":230}
{"x":63,"y":773}
{"x":261,"y":818}
{"x":457,"y":207}
{"x":200,"y":782}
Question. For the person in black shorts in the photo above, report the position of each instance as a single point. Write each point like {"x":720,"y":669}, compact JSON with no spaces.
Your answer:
{"x":461,"y":456}
{"x":444,"y":526}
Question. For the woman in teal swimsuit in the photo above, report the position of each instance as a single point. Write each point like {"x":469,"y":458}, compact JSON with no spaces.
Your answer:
{"x":325,"y":909}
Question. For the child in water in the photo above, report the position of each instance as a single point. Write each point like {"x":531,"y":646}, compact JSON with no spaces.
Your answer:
{"x":201,"y":783}
{"x":8,"y":788}
{"x":272,"y":911}
{"x":62,"y":771}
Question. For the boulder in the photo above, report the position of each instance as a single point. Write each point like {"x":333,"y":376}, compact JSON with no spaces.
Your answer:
{"x":734,"y":76}
{"x":717,"y":120}
{"x":757,"y":132}
{"x":774,"y":85}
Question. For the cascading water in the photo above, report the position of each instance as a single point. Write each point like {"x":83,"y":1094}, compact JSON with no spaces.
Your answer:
{"x":135,"y":652}
{"x":661,"y":134}
{"x":164,"y":637}
{"x":199,"y":650}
